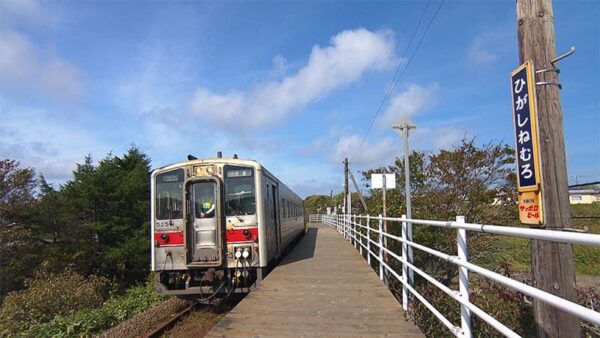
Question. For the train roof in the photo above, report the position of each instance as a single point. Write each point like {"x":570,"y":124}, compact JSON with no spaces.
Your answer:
{"x":226,"y":160}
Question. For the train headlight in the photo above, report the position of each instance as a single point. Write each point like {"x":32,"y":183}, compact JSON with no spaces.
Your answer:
{"x":246,"y":253}
{"x":247,"y":233}
{"x":205,"y":170}
{"x":238,"y":253}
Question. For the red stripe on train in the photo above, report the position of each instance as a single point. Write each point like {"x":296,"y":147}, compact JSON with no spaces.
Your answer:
{"x":168,"y":238}
{"x":241,"y":235}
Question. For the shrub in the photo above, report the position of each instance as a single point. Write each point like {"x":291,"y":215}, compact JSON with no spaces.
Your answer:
{"x":93,"y":321}
{"x":590,"y":298}
{"x":49,"y":295}
{"x":502,"y":303}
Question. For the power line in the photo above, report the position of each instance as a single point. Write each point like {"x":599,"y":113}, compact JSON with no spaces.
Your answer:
{"x":396,"y":79}
{"x":392,"y":86}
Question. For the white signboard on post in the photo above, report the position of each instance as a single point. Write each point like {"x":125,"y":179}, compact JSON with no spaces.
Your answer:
{"x":377,"y":181}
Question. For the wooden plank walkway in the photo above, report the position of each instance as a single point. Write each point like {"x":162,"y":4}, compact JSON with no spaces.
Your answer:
{"x":322,"y":288}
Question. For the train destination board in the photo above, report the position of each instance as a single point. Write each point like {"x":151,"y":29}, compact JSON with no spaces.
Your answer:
{"x":526,"y":144}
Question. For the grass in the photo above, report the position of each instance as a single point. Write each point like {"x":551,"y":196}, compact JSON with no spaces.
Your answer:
{"x":517,"y":252}
{"x":90,"y":322}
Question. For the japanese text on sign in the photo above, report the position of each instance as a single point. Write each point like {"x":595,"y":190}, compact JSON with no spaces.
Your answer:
{"x":525,"y":122}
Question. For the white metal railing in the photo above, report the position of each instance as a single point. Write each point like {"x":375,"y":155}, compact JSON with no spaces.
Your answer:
{"x":316,"y":218}
{"x":358,"y":230}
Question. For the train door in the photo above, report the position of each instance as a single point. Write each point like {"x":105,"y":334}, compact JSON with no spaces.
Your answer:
{"x":204,"y":223}
{"x":276,"y":223}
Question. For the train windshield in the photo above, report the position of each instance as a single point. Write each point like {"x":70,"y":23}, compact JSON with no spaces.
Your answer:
{"x":240,"y":196}
{"x":169,"y":195}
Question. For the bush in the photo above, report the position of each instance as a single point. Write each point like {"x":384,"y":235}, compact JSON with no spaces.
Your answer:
{"x":93,"y":321}
{"x":49,"y":295}
{"x":502,"y":303}
{"x":590,"y":298}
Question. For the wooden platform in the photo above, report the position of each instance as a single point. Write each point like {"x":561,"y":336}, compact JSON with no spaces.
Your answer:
{"x":322,"y":288}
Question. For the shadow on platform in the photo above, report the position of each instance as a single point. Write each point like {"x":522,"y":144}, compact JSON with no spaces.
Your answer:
{"x":305,"y":249}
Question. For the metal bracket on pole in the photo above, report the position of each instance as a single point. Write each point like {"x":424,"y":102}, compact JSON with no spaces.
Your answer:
{"x":560,"y":57}
{"x":549,"y":83}
{"x":554,"y":69}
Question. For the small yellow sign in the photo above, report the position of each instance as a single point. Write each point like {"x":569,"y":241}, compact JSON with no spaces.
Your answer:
{"x":530,"y":208}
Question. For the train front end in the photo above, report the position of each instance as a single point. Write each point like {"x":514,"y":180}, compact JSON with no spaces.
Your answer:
{"x":205,"y":236}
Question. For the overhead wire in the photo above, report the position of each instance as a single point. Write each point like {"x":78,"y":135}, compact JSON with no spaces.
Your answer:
{"x":397,"y":78}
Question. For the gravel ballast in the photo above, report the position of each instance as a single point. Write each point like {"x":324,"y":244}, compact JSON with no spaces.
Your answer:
{"x":144,"y":322}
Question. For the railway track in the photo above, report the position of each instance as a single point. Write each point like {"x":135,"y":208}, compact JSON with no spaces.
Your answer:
{"x":170,"y":323}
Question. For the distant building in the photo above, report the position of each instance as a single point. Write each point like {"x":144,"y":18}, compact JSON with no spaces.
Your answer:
{"x":587,"y":196}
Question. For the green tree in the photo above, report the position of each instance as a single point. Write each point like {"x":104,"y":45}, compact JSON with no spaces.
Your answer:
{"x":477,"y":182}
{"x":18,"y":246}
{"x":98,"y":221}
{"x":317,"y":204}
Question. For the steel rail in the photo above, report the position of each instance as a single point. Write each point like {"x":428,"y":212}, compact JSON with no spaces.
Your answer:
{"x":169,"y":323}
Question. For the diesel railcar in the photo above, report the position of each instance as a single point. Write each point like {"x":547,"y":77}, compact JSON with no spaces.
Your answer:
{"x":219,"y":225}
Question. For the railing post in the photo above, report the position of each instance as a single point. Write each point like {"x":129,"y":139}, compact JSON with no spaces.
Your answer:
{"x":369,"y":240}
{"x":354,"y":236}
{"x":347,"y":226}
{"x":463,"y":278}
{"x":360,"y":246}
{"x":381,"y":271}
{"x":404,"y":266}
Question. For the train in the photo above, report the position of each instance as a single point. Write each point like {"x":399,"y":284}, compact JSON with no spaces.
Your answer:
{"x":219,"y":225}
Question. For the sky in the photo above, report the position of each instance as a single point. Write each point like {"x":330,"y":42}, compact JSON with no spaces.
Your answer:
{"x":294,"y":85}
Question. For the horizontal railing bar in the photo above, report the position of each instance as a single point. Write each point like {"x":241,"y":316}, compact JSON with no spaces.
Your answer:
{"x":455,"y":295}
{"x":453,"y":328}
{"x":484,"y":316}
{"x":547,"y":235}
{"x":558,"y":302}
{"x":544,"y":296}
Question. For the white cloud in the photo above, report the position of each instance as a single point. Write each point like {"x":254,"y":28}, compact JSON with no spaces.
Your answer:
{"x":446,"y":138}
{"x":489,"y":46}
{"x":38,"y":139}
{"x":280,"y":64}
{"x":13,"y":10}
{"x":409,"y":103}
{"x":371,"y":153}
{"x":349,"y":56}
{"x":25,"y":67}
{"x":479,"y":54}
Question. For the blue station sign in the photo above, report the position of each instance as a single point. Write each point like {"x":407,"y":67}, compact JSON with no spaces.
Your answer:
{"x":525,"y":123}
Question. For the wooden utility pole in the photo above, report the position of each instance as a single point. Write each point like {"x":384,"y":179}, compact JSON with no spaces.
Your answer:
{"x":552,"y":263}
{"x":346,"y":211}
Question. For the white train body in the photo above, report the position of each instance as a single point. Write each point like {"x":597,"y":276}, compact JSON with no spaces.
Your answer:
{"x":219,"y":225}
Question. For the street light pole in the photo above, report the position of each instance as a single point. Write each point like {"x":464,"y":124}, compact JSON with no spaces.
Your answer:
{"x":405,"y":127}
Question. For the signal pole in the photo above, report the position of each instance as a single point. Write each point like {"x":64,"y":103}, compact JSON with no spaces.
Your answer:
{"x":552,"y":263}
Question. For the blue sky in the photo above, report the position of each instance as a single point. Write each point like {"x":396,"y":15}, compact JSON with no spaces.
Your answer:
{"x":294,"y":85}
